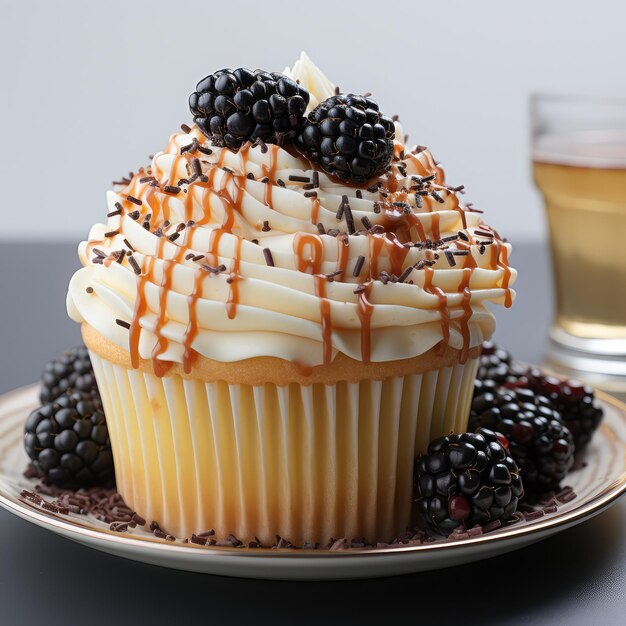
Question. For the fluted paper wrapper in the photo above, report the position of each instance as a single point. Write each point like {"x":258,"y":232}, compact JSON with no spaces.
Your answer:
{"x":308,"y":463}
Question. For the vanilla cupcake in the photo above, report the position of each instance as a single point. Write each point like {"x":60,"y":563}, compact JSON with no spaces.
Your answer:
{"x":275,"y":345}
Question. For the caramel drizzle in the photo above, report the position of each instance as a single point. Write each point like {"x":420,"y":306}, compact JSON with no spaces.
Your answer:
{"x":364,"y":311}
{"x":141,"y":305}
{"x":343,"y":254}
{"x":270,"y":172}
{"x":397,"y":253}
{"x":190,"y":356}
{"x":325,"y":317}
{"x":501,"y":261}
{"x":235,"y":277}
{"x":444,"y":313}
{"x":313,"y":265}
{"x":315,"y":210}
{"x":467,"y":310}
{"x":434,"y":226}
{"x":376,"y":243}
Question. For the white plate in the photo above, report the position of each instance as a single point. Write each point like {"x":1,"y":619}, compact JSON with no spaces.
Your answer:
{"x":598,"y":486}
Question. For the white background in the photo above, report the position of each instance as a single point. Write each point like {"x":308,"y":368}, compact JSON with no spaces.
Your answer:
{"x":90,"y":89}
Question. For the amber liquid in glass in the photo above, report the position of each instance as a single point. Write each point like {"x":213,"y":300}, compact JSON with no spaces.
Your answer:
{"x":585,"y":198}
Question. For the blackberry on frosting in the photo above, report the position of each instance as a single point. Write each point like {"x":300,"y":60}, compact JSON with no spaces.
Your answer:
{"x":348,"y":136}
{"x":233,"y":106}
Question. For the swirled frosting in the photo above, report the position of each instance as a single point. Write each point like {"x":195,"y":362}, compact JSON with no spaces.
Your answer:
{"x":307,"y":74}
{"x":233,"y":255}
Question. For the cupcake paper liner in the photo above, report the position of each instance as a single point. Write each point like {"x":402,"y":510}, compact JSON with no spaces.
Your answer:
{"x":307,"y":463}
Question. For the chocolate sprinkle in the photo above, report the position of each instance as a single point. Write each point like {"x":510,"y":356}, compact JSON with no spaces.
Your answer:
{"x":300,"y":179}
{"x":483,"y":233}
{"x":122,"y":323}
{"x":405,"y":274}
{"x":112,"y":233}
{"x":133,"y":263}
{"x":349,"y":217}
{"x":114,"y":213}
{"x":171,"y":189}
{"x":267,"y":253}
{"x":340,"y":210}
{"x":320,"y":228}
{"x":134,"y":200}
{"x":332,"y":275}
{"x":213,"y":270}
{"x":190,"y":147}
{"x":205,"y":150}
{"x":529,"y":517}
{"x":196,"y":167}
{"x":358,"y":266}
{"x":259,"y":142}
{"x":266,"y":227}
{"x":134,"y":215}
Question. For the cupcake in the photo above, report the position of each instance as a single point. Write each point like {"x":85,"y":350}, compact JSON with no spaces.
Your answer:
{"x":282,"y":310}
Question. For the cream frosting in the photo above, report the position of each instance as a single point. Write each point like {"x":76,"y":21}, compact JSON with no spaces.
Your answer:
{"x":307,"y":74}
{"x":235,"y":255}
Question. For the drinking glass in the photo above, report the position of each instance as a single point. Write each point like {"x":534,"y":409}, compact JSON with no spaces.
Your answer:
{"x":579,"y":166}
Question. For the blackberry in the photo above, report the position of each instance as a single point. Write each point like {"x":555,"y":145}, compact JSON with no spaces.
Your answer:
{"x":68,"y":442}
{"x":71,"y":371}
{"x":574,"y":400}
{"x":539,"y":441}
{"x":496,"y":364}
{"x":465,"y":480}
{"x":234,"y":106}
{"x":349,"y":137}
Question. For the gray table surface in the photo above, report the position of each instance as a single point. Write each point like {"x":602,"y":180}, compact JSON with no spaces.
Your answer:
{"x":576,"y":577}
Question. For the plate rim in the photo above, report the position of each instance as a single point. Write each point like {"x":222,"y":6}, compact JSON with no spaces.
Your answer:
{"x":608,"y":496}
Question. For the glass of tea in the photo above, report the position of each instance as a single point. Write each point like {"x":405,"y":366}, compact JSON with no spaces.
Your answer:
{"x":579,"y":166}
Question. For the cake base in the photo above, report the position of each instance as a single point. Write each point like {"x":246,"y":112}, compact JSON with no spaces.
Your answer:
{"x":306,"y":462}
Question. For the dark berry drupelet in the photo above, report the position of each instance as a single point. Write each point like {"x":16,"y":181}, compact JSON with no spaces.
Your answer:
{"x":466,"y":480}
{"x":72,"y":371}
{"x":574,"y":400}
{"x":539,"y":441}
{"x":496,"y":364}
{"x":234,"y":106}
{"x":68,"y":442}
{"x":349,"y":137}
